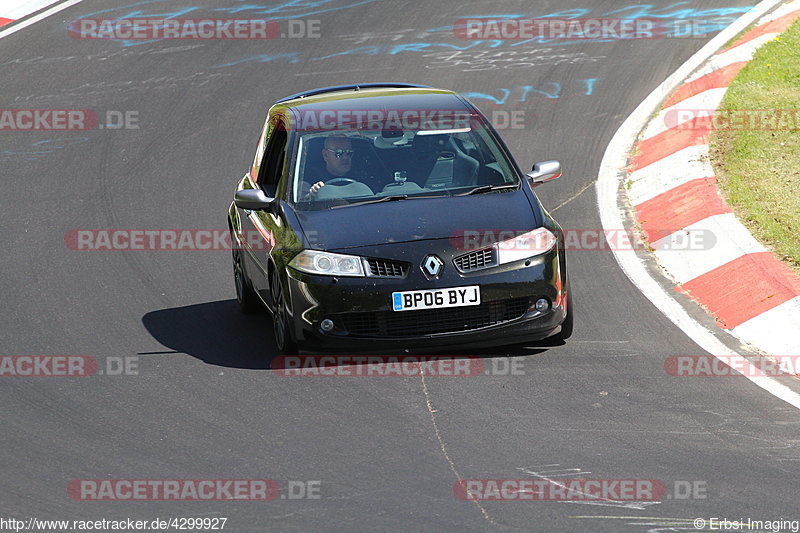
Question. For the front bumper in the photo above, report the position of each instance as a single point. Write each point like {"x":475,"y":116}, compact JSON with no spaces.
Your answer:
{"x":361,"y":309}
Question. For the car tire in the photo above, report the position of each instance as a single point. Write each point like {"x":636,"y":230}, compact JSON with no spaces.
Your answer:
{"x":284,"y":340}
{"x":567,"y":325}
{"x":245,"y":295}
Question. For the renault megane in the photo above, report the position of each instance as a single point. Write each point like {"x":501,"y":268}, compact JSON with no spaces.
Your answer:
{"x":393,"y":216}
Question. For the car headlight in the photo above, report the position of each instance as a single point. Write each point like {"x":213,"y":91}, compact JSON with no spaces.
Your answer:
{"x":525,"y":246}
{"x":328,"y":264}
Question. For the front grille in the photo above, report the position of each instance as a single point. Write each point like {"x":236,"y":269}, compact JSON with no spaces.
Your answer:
{"x":476,"y":260}
{"x":386,"y":268}
{"x":430,"y":321}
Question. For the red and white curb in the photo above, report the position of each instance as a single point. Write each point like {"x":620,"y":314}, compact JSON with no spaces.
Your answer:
{"x":673,"y":190}
{"x":614,"y":213}
{"x":12,"y":10}
{"x":19,"y":10}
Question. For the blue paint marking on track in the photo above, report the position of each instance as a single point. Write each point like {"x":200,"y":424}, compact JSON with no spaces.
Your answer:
{"x":394,"y":49}
{"x":279,"y":11}
{"x":517,"y":95}
{"x":41,"y":148}
{"x":289,"y":57}
{"x":677,"y":10}
{"x":288,"y":9}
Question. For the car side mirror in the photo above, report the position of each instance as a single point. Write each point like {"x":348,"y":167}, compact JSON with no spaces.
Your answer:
{"x":252,"y":199}
{"x":544,"y":171}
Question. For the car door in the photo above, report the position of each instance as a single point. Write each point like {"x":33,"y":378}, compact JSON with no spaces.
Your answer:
{"x":262,"y":226}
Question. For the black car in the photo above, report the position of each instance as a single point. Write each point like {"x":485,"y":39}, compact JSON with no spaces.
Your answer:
{"x":392,"y":216}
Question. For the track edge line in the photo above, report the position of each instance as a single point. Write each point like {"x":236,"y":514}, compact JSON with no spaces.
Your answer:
{"x":28,"y":21}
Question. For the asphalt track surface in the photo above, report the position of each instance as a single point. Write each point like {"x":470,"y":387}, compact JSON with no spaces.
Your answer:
{"x":387,"y":451}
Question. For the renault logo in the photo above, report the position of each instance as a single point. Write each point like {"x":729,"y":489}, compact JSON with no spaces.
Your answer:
{"x":432,"y":266}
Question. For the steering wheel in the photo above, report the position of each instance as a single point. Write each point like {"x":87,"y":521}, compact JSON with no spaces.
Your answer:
{"x":340,"y":181}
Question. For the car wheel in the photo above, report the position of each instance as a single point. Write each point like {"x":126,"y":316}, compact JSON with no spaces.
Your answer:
{"x":245,"y":296}
{"x":567,"y":325}
{"x":280,"y":319}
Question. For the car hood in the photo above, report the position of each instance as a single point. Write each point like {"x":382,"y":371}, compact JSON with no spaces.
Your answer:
{"x":416,"y":220}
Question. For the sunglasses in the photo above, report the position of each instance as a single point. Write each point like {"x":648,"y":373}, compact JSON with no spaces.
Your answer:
{"x":341,"y":153}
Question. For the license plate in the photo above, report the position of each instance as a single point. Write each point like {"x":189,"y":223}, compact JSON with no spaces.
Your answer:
{"x":436,"y":298}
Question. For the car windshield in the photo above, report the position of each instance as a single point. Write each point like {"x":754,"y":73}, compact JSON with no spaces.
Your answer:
{"x":354,"y":167}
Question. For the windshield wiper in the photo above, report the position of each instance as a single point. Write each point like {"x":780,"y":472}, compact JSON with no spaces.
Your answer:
{"x":487,"y":188}
{"x":392,"y":198}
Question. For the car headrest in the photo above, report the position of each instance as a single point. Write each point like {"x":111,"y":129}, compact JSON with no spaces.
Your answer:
{"x":424,"y":144}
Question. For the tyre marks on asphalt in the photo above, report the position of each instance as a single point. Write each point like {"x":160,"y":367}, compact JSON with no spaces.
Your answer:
{"x":443,"y":447}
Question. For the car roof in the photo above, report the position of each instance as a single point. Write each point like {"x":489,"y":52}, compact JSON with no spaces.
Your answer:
{"x":354,"y":87}
{"x":365,"y":98}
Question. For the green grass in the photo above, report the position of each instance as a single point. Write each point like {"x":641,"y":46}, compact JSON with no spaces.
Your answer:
{"x":759,"y":170}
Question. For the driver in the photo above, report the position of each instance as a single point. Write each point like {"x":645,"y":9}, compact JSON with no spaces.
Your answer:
{"x":338,"y":156}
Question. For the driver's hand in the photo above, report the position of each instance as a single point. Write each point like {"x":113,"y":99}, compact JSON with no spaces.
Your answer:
{"x":314,"y":188}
